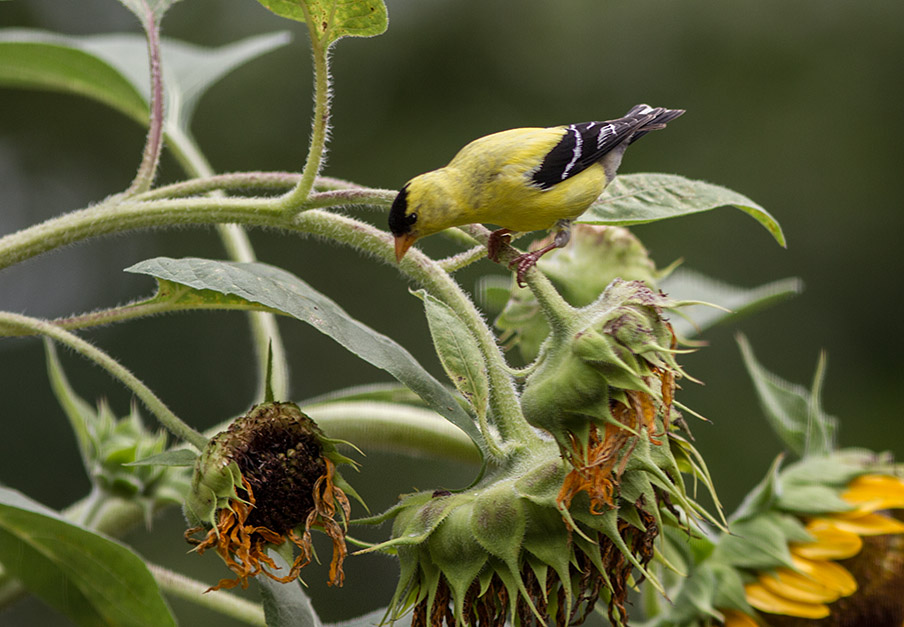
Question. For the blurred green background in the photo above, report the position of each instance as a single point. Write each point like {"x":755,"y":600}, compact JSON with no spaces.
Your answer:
{"x":797,"y":105}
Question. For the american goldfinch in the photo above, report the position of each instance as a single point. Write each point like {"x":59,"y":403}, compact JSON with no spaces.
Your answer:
{"x":523,"y":179}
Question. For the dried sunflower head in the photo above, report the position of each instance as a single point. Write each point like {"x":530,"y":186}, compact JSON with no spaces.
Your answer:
{"x":269,"y":478}
{"x":512,"y":548}
{"x":615,"y":370}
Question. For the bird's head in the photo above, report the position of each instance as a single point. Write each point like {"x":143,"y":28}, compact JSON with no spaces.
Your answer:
{"x":422,"y":207}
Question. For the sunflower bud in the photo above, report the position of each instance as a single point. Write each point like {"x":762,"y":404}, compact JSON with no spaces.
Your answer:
{"x":270,"y":477}
{"x":595,"y":256}
{"x":616,"y":370}
{"x":117,"y":442}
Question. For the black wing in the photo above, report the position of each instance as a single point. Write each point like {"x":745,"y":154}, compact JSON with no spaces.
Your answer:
{"x":586,"y":143}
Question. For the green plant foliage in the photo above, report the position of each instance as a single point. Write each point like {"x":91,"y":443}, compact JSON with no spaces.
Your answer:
{"x":113,"y":69}
{"x":109,"y":446}
{"x":278,"y":290}
{"x":286,"y":605}
{"x":642,"y":198}
{"x":794,"y":412}
{"x":41,"y":60}
{"x":684,"y":284}
{"x":89,"y":578}
{"x":332,"y":19}
{"x":459,"y":353}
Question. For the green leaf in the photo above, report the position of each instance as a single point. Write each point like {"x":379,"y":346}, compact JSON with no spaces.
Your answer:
{"x":688,"y":285}
{"x":89,"y":578}
{"x":793,"y":412}
{"x":286,"y":605}
{"x":812,"y":499}
{"x":763,"y":496}
{"x":77,"y":410}
{"x":113,"y":69}
{"x":189,"y":70}
{"x":175,"y":457}
{"x":275,"y":289}
{"x":458,"y":352}
{"x":40,"y":60}
{"x":756,"y":543}
{"x":642,"y":198}
{"x":332,"y":19}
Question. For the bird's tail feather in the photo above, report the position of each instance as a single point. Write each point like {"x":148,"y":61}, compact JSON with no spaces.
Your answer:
{"x":656,"y":119}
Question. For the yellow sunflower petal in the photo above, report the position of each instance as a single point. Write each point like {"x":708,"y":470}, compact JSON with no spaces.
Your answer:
{"x":878,"y":491}
{"x":829,"y":574}
{"x":796,"y":586}
{"x":734,"y":618}
{"x":830,"y":542}
{"x":869,"y":524}
{"x":767,"y":601}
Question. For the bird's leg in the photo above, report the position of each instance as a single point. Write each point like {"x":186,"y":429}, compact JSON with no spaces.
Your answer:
{"x":498,"y":239}
{"x":525,"y":262}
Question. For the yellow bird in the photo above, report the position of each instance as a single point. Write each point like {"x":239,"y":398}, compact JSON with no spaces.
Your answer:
{"x":523,"y":179}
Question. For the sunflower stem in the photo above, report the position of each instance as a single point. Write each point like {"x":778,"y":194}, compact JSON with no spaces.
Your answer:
{"x":163,"y":413}
{"x":320,"y":126}
{"x":178,"y":585}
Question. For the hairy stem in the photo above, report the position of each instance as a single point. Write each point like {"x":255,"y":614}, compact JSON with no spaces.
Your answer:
{"x":266,"y":338}
{"x":154,"y":143}
{"x":320,"y":126}
{"x":178,"y":585}
{"x":117,"y":216}
{"x":163,"y":413}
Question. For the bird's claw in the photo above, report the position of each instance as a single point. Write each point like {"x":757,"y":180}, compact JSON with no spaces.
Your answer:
{"x":523,"y":263}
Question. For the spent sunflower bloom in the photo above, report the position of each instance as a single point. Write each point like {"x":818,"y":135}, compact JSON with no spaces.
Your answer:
{"x":508,"y":550}
{"x":270,"y":478}
{"x":569,"y":513}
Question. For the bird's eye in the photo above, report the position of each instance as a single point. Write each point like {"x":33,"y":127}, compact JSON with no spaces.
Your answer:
{"x":411,"y":218}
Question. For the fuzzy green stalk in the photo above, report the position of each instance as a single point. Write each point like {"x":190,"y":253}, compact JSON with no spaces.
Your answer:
{"x":150,"y":159}
{"x":115,"y":215}
{"x":178,"y":585}
{"x":163,"y":413}
{"x":266,"y":339}
{"x":320,"y":125}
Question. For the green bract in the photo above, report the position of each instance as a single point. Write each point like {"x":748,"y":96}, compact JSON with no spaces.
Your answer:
{"x":110,"y":446}
{"x":595,"y":256}
{"x":508,"y":548}
{"x":214,"y":482}
{"x":619,"y":343}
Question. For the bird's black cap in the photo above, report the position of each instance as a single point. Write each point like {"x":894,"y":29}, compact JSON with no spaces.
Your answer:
{"x":399,"y":223}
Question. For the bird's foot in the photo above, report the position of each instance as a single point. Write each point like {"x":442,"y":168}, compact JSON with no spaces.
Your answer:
{"x":498,"y":239}
{"x":523,"y":263}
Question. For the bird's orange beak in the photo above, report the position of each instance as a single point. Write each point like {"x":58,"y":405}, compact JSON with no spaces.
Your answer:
{"x":402,"y":244}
